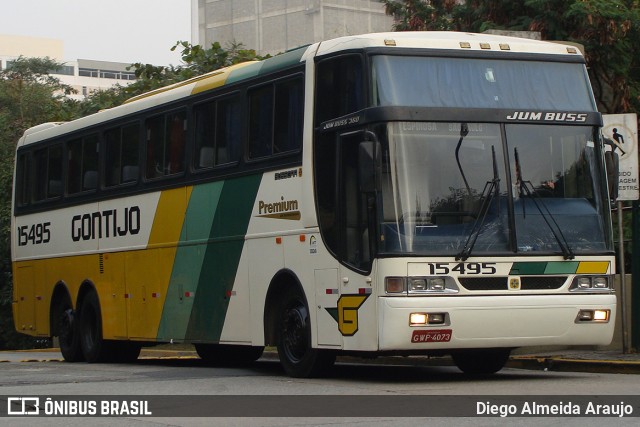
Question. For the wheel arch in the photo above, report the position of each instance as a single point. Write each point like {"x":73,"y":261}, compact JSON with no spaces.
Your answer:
{"x":282,"y":281}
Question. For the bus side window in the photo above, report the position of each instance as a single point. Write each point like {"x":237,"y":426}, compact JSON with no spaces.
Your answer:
{"x":48,"y":173}
{"x":228,"y":131}
{"x":218,"y":130}
{"x":22,"y":180}
{"x":339,"y":87}
{"x":261,"y":122}
{"x":82,"y":164}
{"x":276,"y":118}
{"x":121,"y":165}
{"x":166,"y":138}
{"x":289,"y":107}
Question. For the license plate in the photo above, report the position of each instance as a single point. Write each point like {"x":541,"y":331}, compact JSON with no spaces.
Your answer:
{"x":439,"y":335}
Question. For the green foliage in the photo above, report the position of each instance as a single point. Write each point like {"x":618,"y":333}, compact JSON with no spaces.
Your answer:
{"x":608,"y":30}
{"x":28,"y":96}
{"x":196,"y":61}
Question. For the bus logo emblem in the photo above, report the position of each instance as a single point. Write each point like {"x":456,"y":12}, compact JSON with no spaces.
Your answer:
{"x":514,"y":284}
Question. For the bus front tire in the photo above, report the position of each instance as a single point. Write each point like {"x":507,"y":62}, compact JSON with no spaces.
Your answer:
{"x":297,"y":357}
{"x":481,"y":361}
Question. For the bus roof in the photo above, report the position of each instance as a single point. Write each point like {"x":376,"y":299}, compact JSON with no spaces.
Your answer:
{"x":239,"y":72}
{"x":448,"y":40}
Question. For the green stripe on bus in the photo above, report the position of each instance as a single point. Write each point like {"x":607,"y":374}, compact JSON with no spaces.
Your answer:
{"x":222,"y":257}
{"x":562,"y":267}
{"x":544,"y":268}
{"x":188,"y":261}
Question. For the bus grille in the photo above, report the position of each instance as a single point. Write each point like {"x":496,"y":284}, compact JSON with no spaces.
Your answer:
{"x":527,"y":283}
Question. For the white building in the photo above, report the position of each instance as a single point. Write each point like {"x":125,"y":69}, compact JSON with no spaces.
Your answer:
{"x":85,"y":76}
{"x":274,"y":26}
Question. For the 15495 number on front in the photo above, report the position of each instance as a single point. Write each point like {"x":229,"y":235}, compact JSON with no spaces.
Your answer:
{"x":444,"y":268}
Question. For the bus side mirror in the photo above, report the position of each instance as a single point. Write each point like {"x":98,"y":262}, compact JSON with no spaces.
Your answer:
{"x":369,"y":166}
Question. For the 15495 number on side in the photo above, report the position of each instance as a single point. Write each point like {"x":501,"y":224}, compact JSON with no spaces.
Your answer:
{"x":35,"y":234}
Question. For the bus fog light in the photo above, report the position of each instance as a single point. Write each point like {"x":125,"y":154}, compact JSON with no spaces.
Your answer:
{"x":418,"y":319}
{"x":436,"y":318}
{"x":601,"y":315}
{"x":585,"y":315}
{"x":598,"y":315}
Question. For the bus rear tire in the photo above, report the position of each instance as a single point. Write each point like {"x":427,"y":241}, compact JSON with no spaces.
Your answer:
{"x":223,"y":354}
{"x":68,"y":336}
{"x":481,"y":361}
{"x":297,"y":357}
{"x":94,"y":348}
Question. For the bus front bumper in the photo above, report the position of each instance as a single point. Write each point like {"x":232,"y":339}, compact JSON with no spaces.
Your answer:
{"x":495,"y":321}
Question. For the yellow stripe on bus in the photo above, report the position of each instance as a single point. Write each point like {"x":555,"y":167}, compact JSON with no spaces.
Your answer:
{"x":593,"y":267}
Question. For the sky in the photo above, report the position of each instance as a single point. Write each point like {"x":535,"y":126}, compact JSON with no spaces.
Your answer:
{"x":106,"y":30}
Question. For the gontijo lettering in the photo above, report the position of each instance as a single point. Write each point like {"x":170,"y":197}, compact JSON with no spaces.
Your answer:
{"x":106,"y":224}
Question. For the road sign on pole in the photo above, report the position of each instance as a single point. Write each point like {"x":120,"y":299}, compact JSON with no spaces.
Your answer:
{"x":621,"y":136}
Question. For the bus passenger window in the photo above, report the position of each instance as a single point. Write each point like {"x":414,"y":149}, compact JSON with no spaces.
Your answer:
{"x":176,"y":133}
{"x":228,"y":131}
{"x":48,"y":173}
{"x":22,"y":180}
{"x":261,"y":122}
{"x":122,"y":155}
{"x":166,"y":139}
{"x":218,"y":130}
{"x":288,"y":116}
{"x":205,"y":138}
{"x":82,"y":164}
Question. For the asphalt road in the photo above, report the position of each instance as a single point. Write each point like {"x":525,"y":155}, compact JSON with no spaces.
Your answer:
{"x":43,"y":374}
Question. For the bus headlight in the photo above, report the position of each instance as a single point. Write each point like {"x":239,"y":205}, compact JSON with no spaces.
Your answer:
{"x":591,"y":284}
{"x":420,"y":285}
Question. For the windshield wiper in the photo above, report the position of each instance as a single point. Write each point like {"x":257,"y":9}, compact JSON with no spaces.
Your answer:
{"x":490,"y":191}
{"x":526,"y":187}
{"x":464,"y":131}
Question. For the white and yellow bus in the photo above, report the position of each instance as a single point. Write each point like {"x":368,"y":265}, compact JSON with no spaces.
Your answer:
{"x":400,"y":193}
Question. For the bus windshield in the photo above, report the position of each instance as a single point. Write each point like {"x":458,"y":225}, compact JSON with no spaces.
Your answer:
{"x":444,"y":184}
{"x":480,"y":83}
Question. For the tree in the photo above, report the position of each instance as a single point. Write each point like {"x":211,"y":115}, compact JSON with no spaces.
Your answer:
{"x":29,"y":95}
{"x":608,"y":29}
{"x":196,"y":61}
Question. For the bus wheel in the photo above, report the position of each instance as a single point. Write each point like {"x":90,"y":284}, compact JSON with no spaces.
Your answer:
{"x":93,"y":346}
{"x":294,"y":339}
{"x":68,"y":336}
{"x":223,"y":354}
{"x":481,"y":361}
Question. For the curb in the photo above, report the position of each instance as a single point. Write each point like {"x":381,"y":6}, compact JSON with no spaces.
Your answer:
{"x":564,"y":364}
